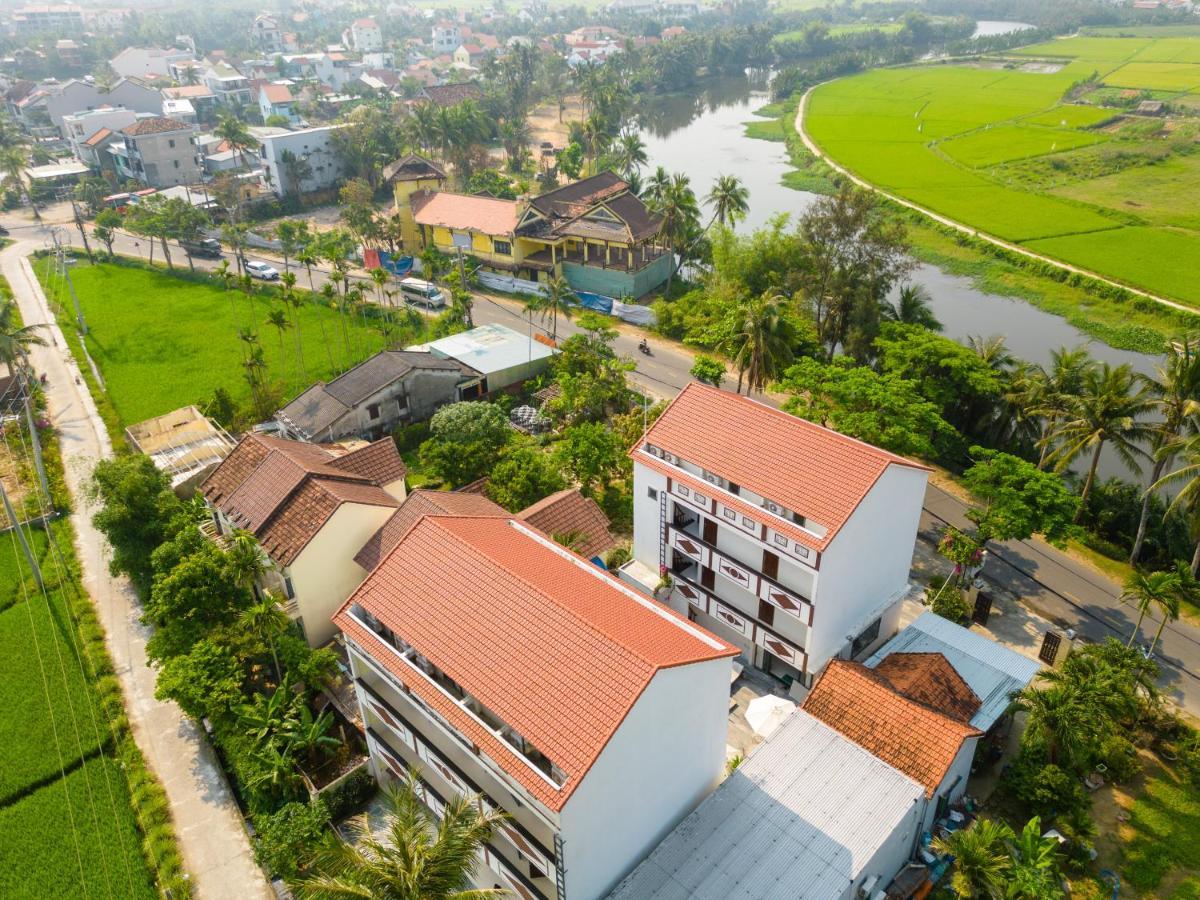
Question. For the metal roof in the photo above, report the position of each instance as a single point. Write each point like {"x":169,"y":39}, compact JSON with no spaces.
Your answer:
{"x":489,"y":348}
{"x":802,"y":817}
{"x":993,"y":671}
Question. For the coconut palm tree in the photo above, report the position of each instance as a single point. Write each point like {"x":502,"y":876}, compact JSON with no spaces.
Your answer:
{"x":912,"y":307}
{"x":13,"y":163}
{"x":558,"y":298}
{"x":1107,"y":412}
{"x":15,"y":340}
{"x":234,"y":132}
{"x":761,"y":342}
{"x":1145,"y":591}
{"x":679,"y":212}
{"x":729,"y":199}
{"x":993,"y":351}
{"x":1187,"y":500}
{"x":1060,"y":384}
{"x":1174,"y":391}
{"x":265,"y":619}
{"x":1063,"y":719}
{"x":657,"y":186}
{"x":981,"y":861}
{"x":423,"y":857}
{"x":629,"y":154}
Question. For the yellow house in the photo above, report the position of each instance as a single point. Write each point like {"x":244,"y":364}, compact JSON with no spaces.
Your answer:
{"x":596,"y":233}
{"x":407,"y":176}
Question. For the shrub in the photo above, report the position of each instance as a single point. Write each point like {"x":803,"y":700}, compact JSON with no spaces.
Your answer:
{"x":409,"y":437}
{"x":1046,"y":789}
{"x":949,"y":603}
{"x":616,"y":558}
{"x":285,"y":840}
{"x":1120,"y":756}
{"x":348,"y":796}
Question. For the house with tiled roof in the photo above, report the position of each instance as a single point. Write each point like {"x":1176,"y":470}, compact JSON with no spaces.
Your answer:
{"x":596,"y":233}
{"x":311,"y":507}
{"x":392,"y":388}
{"x":275,"y":98}
{"x":572,"y":519}
{"x":157,"y":150}
{"x":445,"y":95}
{"x":787,"y":539}
{"x":490,"y":660}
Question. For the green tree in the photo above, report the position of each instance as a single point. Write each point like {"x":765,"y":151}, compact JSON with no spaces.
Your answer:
{"x":233,"y":131}
{"x":591,"y":453}
{"x":760,"y":342}
{"x":16,"y":339}
{"x":523,"y":475}
{"x":1065,"y":721}
{"x":707,"y":370}
{"x":729,"y":199}
{"x":309,"y":735}
{"x":679,"y":214}
{"x":981,"y":861}
{"x":1151,"y":590}
{"x":423,"y":857}
{"x":105,"y":227}
{"x":1052,"y":390}
{"x":589,"y":373}
{"x":206,"y":681}
{"x":357,"y":200}
{"x":1034,"y":871}
{"x":190,"y":598}
{"x":284,"y":841}
{"x":13,"y":163}
{"x":885,"y":410}
{"x":558,"y":298}
{"x":912,"y":306}
{"x":265,"y":620}
{"x":1107,"y":412}
{"x":292,"y":235}
{"x":1019,"y":500}
{"x":465,"y":441}
{"x":137,"y":509}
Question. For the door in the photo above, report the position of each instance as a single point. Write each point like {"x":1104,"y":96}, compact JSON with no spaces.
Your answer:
{"x":770,"y":565}
{"x":706,"y":578}
{"x":710,"y":531}
{"x":983,"y":608}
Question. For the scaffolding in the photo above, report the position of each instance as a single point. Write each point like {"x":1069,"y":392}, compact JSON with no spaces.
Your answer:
{"x":184,"y":443}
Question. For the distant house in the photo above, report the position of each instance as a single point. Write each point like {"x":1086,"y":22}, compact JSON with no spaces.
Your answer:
{"x":75,"y":96}
{"x":468,"y":56}
{"x":201,"y":96}
{"x":158,"y":151}
{"x":79,"y":129}
{"x":148,"y":62}
{"x":1150,"y":108}
{"x":444,"y":37}
{"x":275,"y":99}
{"x":572,"y":519}
{"x":231,"y":87}
{"x":314,"y":147}
{"x":312,"y":508}
{"x":365,"y":36}
{"x":451,"y":94}
{"x":391,"y":388}
{"x":266,"y":34}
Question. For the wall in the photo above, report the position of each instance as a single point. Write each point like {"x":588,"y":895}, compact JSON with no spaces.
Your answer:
{"x":77,"y":96}
{"x":325,"y":573}
{"x":315,"y":145}
{"x":426,"y":390}
{"x":665,"y":758}
{"x":894,"y":853}
{"x":647,"y":535}
{"x":867,"y":563}
{"x":617,"y":282}
{"x":954,"y":785}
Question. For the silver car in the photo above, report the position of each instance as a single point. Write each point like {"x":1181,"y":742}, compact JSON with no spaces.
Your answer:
{"x":261,"y":270}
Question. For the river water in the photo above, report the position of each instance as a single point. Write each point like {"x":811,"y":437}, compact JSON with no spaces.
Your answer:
{"x":704,"y":136}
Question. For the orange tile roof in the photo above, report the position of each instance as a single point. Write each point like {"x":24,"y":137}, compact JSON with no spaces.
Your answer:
{"x":277,"y":93}
{"x":466,"y":213}
{"x":284,"y":492}
{"x":813,"y":471}
{"x":98,"y":137}
{"x":555,"y":647}
{"x":421,"y":502}
{"x":154,"y":125}
{"x":929,"y":678}
{"x":907,"y":735}
{"x":569,"y":513}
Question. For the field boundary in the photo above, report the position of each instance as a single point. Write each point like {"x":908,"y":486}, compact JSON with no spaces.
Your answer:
{"x":816,"y":150}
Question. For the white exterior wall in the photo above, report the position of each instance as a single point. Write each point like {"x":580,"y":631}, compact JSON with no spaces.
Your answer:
{"x":78,"y":96}
{"x":325,"y":573}
{"x":78,"y":127}
{"x":894,"y":853}
{"x":664,"y":759}
{"x":647,"y":536}
{"x":867,"y":563}
{"x":314,"y":145}
{"x":954,"y":785}
{"x":141,"y":62}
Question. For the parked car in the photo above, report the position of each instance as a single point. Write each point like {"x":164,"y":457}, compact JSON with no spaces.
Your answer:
{"x":206,"y":248}
{"x":3,"y":231}
{"x":261,"y":270}
{"x":417,"y":290}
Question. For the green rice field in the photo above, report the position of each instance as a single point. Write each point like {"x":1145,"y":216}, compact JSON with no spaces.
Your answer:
{"x":999,"y":146}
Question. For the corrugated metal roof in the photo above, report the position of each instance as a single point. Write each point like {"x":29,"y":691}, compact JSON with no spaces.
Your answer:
{"x":993,"y":671}
{"x":801,"y":818}
{"x":488,"y":348}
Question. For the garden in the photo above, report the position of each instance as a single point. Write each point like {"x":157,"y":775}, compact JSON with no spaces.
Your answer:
{"x":1011,"y":149}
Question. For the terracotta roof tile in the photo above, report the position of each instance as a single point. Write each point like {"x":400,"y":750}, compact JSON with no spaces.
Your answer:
{"x":284,"y":491}
{"x":813,"y":471}
{"x":98,"y":137}
{"x":154,"y":125}
{"x":570,"y":513}
{"x":278,"y":93}
{"x":465,"y":212}
{"x":929,"y":678}
{"x":552,"y":645}
{"x":417,"y":504}
{"x":919,"y":741}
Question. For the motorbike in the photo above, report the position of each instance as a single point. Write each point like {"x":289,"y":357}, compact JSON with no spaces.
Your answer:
{"x":645,"y":348}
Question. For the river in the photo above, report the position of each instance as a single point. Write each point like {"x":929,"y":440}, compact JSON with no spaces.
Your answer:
{"x":704,"y":136}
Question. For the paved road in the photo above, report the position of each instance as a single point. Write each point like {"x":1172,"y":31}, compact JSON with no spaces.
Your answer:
{"x":215,"y":848}
{"x":1054,"y":585}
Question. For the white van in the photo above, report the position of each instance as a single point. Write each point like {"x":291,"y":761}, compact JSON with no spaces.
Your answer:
{"x":417,"y":290}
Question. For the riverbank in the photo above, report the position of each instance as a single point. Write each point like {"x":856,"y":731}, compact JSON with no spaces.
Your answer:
{"x":1133,"y":323}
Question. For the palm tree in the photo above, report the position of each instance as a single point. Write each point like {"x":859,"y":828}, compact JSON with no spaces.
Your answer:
{"x":629,"y":154}
{"x":679,"y":212}
{"x":423,"y":858}
{"x":912,"y":307}
{"x":1060,"y":384}
{"x":729,"y":199}
{"x":657,"y":186}
{"x":292,"y":235}
{"x":13,"y":164}
{"x":1107,"y":411}
{"x":558,"y":298}
{"x":1174,"y":390}
{"x":291,"y":299}
{"x":761,"y":342}
{"x":15,"y":339}
{"x":234,"y":132}
{"x":1063,"y":719}
{"x":265,"y":619}
{"x":1147,"y":590}
{"x":993,"y":351}
{"x":1033,"y":874}
{"x":279,"y":319}
{"x":981,"y":862}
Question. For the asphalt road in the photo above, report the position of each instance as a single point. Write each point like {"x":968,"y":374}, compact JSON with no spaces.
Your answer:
{"x":1057,"y":587}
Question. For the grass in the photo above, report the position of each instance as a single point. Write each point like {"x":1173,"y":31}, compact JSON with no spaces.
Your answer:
{"x":999,"y":150}
{"x":162,"y":341}
{"x":768,"y":130}
{"x":1165,"y":826}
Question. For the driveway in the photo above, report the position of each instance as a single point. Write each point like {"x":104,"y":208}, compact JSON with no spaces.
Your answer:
{"x":212,"y":839}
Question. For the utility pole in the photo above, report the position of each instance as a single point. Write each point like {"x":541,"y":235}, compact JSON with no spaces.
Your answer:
{"x":82,"y":231}
{"x":462,"y":286}
{"x":37,"y":446}
{"x":83,"y":329}
{"x":12,"y":518}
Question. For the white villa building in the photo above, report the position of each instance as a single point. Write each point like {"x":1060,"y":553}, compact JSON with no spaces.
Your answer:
{"x":788,"y":540}
{"x":491,"y":660}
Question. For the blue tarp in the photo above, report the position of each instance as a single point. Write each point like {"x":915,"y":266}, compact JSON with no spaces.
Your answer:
{"x":400,"y":266}
{"x":598,"y":302}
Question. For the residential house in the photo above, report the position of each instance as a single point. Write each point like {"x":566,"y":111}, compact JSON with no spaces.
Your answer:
{"x":275,"y":99}
{"x":93,"y":152}
{"x":495,"y":357}
{"x":314,"y":148}
{"x":380,"y":61}
{"x":592,"y":34}
{"x":392,"y":388}
{"x":315,"y":66}
{"x":148,"y":62}
{"x":55,"y":18}
{"x":312,"y":508}
{"x":200,"y":96}
{"x":230,"y":86}
{"x":79,"y":128}
{"x":158,"y":151}
{"x":407,"y":176}
{"x":444,"y":37}
{"x":468,"y":56}
{"x":180,"y":109}
{"x":596,"y":233}
{"x":593,"y":717}
{"x":574,"y":520}
{"x":266,"y":34}
{"x":809,"y":815}
{"x":450,"y":94}
{"x":419,"y":503}
{"x":364,"y":36}
{"x":789,"y":540}
{"x":69,"y":53}
{"x":76,"y":96}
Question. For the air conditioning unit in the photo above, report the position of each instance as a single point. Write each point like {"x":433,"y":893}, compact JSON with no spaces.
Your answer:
{"x":670,"y":457}
{"x":652,"y":450}
{"x":865,"y":889}
{"x":712,"y":479}
{"x":775,"y":508}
